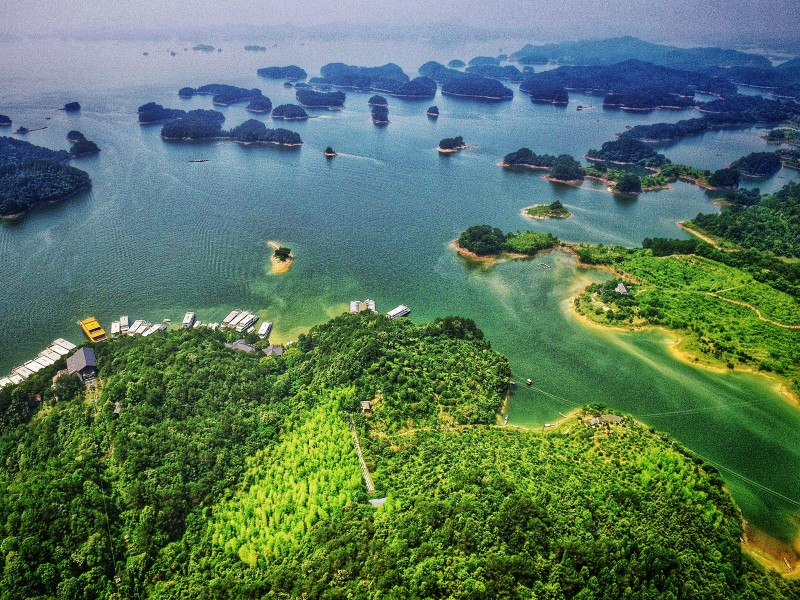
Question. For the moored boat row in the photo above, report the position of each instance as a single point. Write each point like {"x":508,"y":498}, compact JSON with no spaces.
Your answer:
{"x":45,"y":358}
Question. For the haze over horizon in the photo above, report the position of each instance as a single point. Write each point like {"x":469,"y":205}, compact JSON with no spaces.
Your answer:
{"x":712,"y":22}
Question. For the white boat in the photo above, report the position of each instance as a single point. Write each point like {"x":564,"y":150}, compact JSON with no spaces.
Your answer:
{"x":265,"y":329}
{"x":188,"y":320}
{"x":69,"y":346}
{"x":247,"y":322}
{"x":137,"y":326}
{"x":34,"y":366}
{"x":115,"y":328}
{"x":22,"y":373}
{"x":49,"y":353}
{"x":231,"y":316}
{"x":152,"y":329}
{"x":400,"y":311}
{"x":124,"y":324}
{"x":238,"y":319}
{"x":197,"y":324}
{"x":354,"y":307}
{"x":15,"y":378}
{"x":4,"y":382}
{"x":212,"y":326}
{"x":44,"y":360}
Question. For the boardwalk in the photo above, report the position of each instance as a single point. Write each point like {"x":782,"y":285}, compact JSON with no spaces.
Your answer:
{"x":364,"y":471}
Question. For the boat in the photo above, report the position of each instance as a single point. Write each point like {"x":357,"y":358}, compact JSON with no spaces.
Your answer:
{"x":400,"y":311}
{"x":247,"y":322}
{"x":529,"y":381}
{"x":115,"y":328}
{"x":199,"y":160}
{"x":93,"y":330}
{"x":265,"y":329}
{"x":231,"y":316}
{"x":124,"y":324}
{"x":188,"y":320}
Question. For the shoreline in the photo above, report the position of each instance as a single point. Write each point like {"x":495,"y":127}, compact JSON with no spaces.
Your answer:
{"x":524,"y":213}
{"x":17,"y":216}
{"x":691,"y":231}
{"x":487,"y":259}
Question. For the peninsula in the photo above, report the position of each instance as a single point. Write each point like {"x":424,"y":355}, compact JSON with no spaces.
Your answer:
{"x":484,"y":242}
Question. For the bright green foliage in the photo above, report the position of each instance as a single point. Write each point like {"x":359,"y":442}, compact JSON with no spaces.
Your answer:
{"x":312,"y":474}
{"x":485,"y":240}
{"x":554,"y":210}
{"x":706,"y":300}
{"x":530,"y":242}
{"x":773,"y":224}
{"x":628,"y":184}
{"x":671,"y":172}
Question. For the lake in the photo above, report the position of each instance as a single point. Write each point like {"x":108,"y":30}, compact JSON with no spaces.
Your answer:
{"x":158,"y":236}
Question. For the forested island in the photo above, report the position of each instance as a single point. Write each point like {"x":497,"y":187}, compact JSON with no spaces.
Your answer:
{"x":152,"y":113}
{"x":563,"y":168}
{"x":72,"y":107}
{"x":541,"y":90}
{"x":222,"y":94}
{"x":734,"y":111}
{"x":387,"y":79}
{"x":433,"y":112}
{"x":554,"y":210}
{"x":758,"y":165}
{"x":784,"y":135}
{"x":259,"y":105}
{"x":450,"y":145}
{"x":507,"y":73}
{"x":32,"y":175}
{"x":198,"y":125}
{"x":83,"y":147}
{"x":627,"y":151}
{"x":380,"y":114}
{"x":292,"y":73}
{"x":485,"y":241}
{"x":75,"y":136}
{"x":203,"y":48}
{"x":5,"y":121}
{"x":631,"y":84}
{"x":457,"y":83}
{"x":615,"y":50}
{"x":377,"y":101}
{"x":456,"y":64}
{"x":289,"y":112}
{"x":255,"y":48}
{"x":313,"y":99}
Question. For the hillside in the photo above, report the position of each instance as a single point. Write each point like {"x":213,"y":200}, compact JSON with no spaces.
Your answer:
{"x":226,"y":475}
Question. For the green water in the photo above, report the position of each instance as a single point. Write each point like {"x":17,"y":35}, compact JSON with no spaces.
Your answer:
{"x":158,"y":236}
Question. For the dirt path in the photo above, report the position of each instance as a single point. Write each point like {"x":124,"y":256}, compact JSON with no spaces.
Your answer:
{"x":753,"y":308}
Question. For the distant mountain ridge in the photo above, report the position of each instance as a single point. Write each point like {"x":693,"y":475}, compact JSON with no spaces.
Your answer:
{"x":614,"y":50}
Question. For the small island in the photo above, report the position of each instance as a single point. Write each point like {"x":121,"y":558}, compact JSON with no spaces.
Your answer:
{"x":204,"y":125}
{"x":32,"y":175}
{"x":380,"y":114}
{"x":152,"y":113}
{"x":476,"y":86}
{"x":388,"y":79}
{"x":542,"y":91}
{"x":75,"y":136}
{"x":5,"y":121}
{"x":289,"y":112}
{"x":433,"y":112}
{"x":281,"y":259}
{"x":83,"y":147}
{"x":378,"y":101}
{"x":314,"y":99}
{"x":222,"y":94}
{"x":330,"y":152}
{"x":563,"y":168}
{"x":758,"y":165}
{"x":259,"y":104}
{"x":451,"y":145}
{"x":254,"y":48}
{"x":292,"y":73}
{"x":71,"y":106}
{"x":203,"y":48}
{"x":484,"y":242}
{"x":456,"y":64}
{"x":555,"y":210}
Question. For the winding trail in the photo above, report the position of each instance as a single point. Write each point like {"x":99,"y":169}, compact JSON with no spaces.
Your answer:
{"x":753,"y":308}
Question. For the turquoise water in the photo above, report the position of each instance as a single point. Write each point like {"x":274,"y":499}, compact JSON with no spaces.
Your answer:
{"x":158,"y":236}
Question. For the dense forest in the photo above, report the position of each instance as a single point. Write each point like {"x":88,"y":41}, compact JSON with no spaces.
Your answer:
{"x":380,"y":114}
{"x":259,"y":104}
{"x":292,"y":72}
{"x":289,"y":112}
{"x":632,"y":83}
{"x":221,"y":93}
{"x":758,"y":164}
{"x":388,"y":79}
{"x":507,"y":73}
{"x":314,"y":99}
{"x":485,"y":240}
{"x":770,"y":224}
{"x":32,"y":175}
{"x":452,"y":144}
{"x":628,"y":151}
{"x":734,"y":111}
{"x":152,"y":113}
{"x":197,"y":471}
{"x":615,"y":50}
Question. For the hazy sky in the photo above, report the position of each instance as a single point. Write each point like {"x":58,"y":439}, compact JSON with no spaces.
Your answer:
{"x":650,"y":19}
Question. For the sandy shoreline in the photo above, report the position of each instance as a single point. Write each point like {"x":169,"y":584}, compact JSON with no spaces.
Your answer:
{"x":277,"y":266}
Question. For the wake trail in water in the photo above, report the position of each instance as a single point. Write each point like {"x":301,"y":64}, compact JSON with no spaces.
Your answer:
{"x":358,"y":157}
